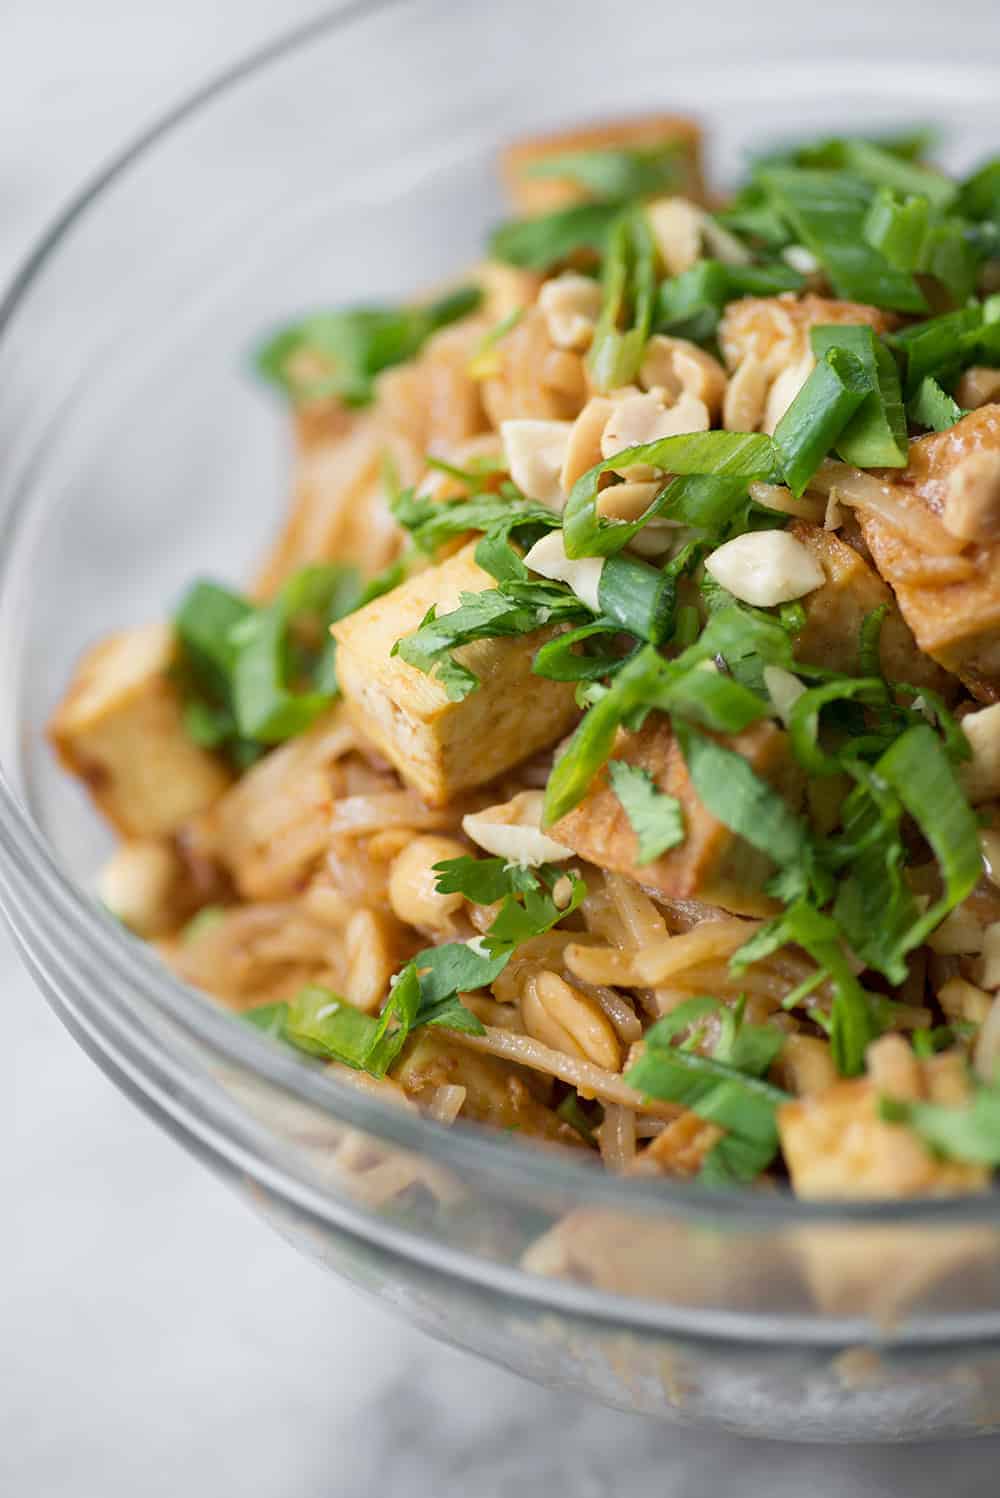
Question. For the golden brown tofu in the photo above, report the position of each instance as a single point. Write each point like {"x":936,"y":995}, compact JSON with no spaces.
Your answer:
{"x":776,"y":328}
{"x":441,"y":747}
{"x":120,"y":729}
{"x":836,"y":611}
{"x":836,"y":1145}
{"x":711,"y":864}
{"x":530,"y":195}
{"x":954,"y":613}
{"x":496,"y":1092}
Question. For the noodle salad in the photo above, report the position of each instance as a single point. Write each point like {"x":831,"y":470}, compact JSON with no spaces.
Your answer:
{"x":608,"y":749}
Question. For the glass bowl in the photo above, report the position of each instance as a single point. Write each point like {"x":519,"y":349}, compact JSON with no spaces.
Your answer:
{"x":353,"y":160}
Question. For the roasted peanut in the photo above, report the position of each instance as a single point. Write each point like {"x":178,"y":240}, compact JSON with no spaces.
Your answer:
{"x":413,"y":892}
{"x":569,"y":1021}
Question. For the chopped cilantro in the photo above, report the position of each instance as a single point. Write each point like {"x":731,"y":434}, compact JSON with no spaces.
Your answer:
{"x":656,"y":818}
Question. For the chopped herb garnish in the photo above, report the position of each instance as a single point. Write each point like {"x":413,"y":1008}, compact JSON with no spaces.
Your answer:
{"x":543,"y":242}
{"x":969,"y":1133}
{"x":514,"y":608}
{"x":629,"y":288}
{"x":340,"y":353}
{"x":691,"y":304}
{"x":725,"y":1089}
{"x":656,"y":818}
{"x":254,"y":675}
{"x":875,"y":436}
{"x":733,"y":456}
{"x":819,"y":414}
{"x":931,"y":406}
{"x":528,"y":906}
{"x":827,"y":212}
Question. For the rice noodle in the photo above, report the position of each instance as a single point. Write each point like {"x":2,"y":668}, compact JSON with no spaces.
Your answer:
{"x":588,"y":1079}
{"x":711,"y":940}
{"x":897,"y":506}
{"x":616,"y":1137}
{"x":618,"y":1010}
{"x":446,"y":1103}
{"x":642,"y":921}
{"x":934,"y":572}
{"x":354,"y":815}
{"x":777,"y":497}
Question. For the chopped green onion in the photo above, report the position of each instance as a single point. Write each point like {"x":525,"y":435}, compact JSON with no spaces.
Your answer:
{"x":853,"y":1024}
{"x":898,"y":230}
{"x":827,"y":212}
{"x":940,"y":346}
{"x":979,"y":195}
{"x":629,"y":286}
{"x":887,"y":169}
{"x":690,"y":305}
{"x":876,"y":435}
{"x":721,"y":1091}
{"x":591,"y":744}
{"x":870,"y":642}
{"x":266,"y":707}
{"x":572,"y":1113}
{"x":804,"y":719}
{"x":729,"y":455}
{"x":561,"y":659}
{"x":639,"y":598}
{"x":818,"y":415}
{"x":920,"y":773}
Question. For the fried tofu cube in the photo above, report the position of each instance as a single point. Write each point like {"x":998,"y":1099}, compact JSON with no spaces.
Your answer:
{"x":837,"y":1146}
{"x":712,"y":864}
{"x":120,"y":729}
{"x":836,"y":611}
{"x":531,"y":195}
{"x":440,"y":747}
{"x":954,"y":615}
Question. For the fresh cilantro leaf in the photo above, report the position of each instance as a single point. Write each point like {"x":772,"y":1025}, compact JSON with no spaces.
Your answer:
{"x":431,"y":524}
{"x":517,"y":607}
{"x":853,"y":1025}
{"x":656,"y":818}
{"x":484,"y":881}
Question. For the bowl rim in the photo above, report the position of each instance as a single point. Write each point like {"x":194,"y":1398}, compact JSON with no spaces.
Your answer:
{"x":24,"y":849}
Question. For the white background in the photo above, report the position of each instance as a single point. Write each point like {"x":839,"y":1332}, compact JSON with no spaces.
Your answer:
{"x":154,"y":1338}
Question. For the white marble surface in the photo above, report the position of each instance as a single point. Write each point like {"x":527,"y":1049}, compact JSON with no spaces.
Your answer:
{"x":155,"y":1339}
